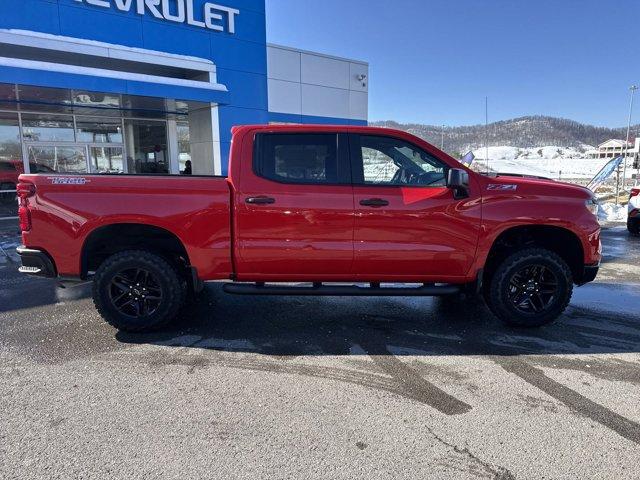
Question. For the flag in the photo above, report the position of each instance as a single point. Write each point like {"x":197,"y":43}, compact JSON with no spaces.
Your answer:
{"x":468,"y":159}
{"x":604,"y":174}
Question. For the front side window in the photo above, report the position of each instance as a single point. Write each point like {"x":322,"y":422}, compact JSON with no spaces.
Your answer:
{"x":298,"y":158}
{"x":388,"y":161}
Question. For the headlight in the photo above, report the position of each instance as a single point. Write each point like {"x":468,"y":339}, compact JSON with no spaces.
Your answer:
{"x":593,"y":206}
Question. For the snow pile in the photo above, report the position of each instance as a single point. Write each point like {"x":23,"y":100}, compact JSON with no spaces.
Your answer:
{"x":610,"y":212}
{"x":551,"y":161}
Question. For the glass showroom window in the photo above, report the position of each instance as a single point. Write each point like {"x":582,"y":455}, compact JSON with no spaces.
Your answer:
{"x":56,"y":158}
{"x":10,"y":163}
{"x":184,"y":149}
{"x":105,"y":139}
{"x":98,"y":130}
{"x":147,"y":150}
{"x":10,"y":150}
{"x":47,"y":128}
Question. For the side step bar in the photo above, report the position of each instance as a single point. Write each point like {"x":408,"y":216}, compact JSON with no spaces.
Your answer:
{"x":321,"y":290}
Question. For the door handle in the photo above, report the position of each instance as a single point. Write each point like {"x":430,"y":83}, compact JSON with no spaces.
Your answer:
{"x":260,"y":200}
{"x":374,"y":202}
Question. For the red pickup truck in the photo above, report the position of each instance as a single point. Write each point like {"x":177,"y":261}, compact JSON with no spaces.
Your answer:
{"x":313,"y":210}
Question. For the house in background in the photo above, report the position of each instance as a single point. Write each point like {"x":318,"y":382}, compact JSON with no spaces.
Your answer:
{"x":614,"y":148}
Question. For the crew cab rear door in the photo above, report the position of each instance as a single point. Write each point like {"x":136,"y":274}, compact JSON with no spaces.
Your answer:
{"x":294,"y":207}
{"x":408,"y":224}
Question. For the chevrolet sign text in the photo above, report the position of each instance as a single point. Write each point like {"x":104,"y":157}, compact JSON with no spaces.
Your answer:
{"x":213,"y":16}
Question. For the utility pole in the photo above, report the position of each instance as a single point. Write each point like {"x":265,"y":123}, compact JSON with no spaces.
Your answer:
{"x":486,"y":131}
{"x":633,"y":89}
{"x":442,"y":142}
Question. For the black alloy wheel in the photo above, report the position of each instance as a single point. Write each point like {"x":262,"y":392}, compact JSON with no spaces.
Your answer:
{"x":138,"y":291}
{"x":529,"y":288}
{"x":135,"y":292}
{"x":532,"y":289}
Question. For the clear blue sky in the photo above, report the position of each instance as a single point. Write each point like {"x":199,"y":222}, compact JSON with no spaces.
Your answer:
{"x":434,"y":61}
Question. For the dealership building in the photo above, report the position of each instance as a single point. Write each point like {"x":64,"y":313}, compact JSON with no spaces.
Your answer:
{"x":154,"y":86}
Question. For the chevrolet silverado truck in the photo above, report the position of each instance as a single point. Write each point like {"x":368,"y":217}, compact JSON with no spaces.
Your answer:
{"x":313,"y":210}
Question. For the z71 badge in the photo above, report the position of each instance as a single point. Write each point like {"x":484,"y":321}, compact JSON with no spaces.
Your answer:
{"x":502,"y":187}
{"x":68,"y":180}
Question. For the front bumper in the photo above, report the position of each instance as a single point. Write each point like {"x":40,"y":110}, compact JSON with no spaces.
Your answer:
{"x":589,"y":274}
{"x":36,"y":262}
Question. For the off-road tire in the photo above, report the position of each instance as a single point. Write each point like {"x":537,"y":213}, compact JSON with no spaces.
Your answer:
{"x":171,"y":284}
{"x":497,"y":295}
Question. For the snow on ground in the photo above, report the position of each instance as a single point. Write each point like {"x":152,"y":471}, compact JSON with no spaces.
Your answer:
{"x":610,"y":212}
{"x":551,"y":161}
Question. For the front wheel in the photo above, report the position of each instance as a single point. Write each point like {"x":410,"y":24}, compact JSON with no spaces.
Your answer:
{"x":530,"y":288}
{"x":137,"y":291}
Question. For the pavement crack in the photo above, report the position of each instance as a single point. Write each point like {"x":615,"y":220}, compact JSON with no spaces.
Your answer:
{"x":494,"y":472}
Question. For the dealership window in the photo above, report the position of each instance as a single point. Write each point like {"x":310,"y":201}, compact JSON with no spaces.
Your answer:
{"x":10,"y":161}
{"x":62,"y":159}
{"x":75,"y":131}
{"x":184,"y":149}
{"x":98,"y":130}
{"x":48,"y":128}
{"x":147,"y":151}
{"x":298,"y":158}
{"x":106,"y":159}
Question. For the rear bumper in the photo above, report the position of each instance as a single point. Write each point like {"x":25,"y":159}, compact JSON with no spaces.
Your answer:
{"x":589,"y":274}
{"x":36,"y":262}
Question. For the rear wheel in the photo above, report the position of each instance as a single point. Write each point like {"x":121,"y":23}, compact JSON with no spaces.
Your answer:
{"x":633,"y":227}
{"x":138,"y":291}
{"x":530,"y":288}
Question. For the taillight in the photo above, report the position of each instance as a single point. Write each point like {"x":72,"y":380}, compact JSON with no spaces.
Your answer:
{"x":635,"y":192}
{"x":25,"y":190}
{"x":25,"y":218}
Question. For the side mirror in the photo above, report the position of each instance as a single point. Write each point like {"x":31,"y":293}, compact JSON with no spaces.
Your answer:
{"x":458,"y":181}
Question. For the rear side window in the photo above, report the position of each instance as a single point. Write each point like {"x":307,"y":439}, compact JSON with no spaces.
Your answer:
{"x":299,"y":158}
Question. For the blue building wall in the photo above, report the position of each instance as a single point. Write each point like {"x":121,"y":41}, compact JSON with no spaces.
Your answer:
{"x":241,"y":57}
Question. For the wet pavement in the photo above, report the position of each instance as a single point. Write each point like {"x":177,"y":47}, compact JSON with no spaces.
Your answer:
{"x":255,"y":387}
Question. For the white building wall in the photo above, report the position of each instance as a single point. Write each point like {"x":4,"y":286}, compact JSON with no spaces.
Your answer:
{"x":308,"y":83}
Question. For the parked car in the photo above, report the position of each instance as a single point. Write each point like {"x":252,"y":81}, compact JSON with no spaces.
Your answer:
{"x":315,"y":204}
{"x":633,"y":220}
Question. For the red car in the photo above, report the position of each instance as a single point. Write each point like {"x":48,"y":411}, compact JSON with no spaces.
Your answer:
{"x":318,"y":205}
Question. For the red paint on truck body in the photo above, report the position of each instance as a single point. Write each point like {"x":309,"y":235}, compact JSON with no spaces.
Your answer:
{"x":311,"y":232}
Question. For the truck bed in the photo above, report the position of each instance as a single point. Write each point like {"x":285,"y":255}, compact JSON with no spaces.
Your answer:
{"x":66,"y":208}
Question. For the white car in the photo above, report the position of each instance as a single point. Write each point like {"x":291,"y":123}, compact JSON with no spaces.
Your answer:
{"x":633,"y":221}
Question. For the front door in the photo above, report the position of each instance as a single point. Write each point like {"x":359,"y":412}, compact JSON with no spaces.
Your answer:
{"x":294,"y":209}
{"x":408,"y":225}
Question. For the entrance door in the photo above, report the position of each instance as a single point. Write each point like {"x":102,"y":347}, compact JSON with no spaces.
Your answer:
{"x":294,"y":211}
{"x":408,"y":226}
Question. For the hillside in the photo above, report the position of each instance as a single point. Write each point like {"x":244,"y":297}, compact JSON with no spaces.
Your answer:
{"x":524,"y":132}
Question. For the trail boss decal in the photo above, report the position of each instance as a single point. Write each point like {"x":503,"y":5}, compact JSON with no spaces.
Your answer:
{"x":502,"y":187}
{"x":68,"y":180}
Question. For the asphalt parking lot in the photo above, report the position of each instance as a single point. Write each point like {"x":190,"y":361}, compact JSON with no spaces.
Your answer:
{"x":323,"y":388}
